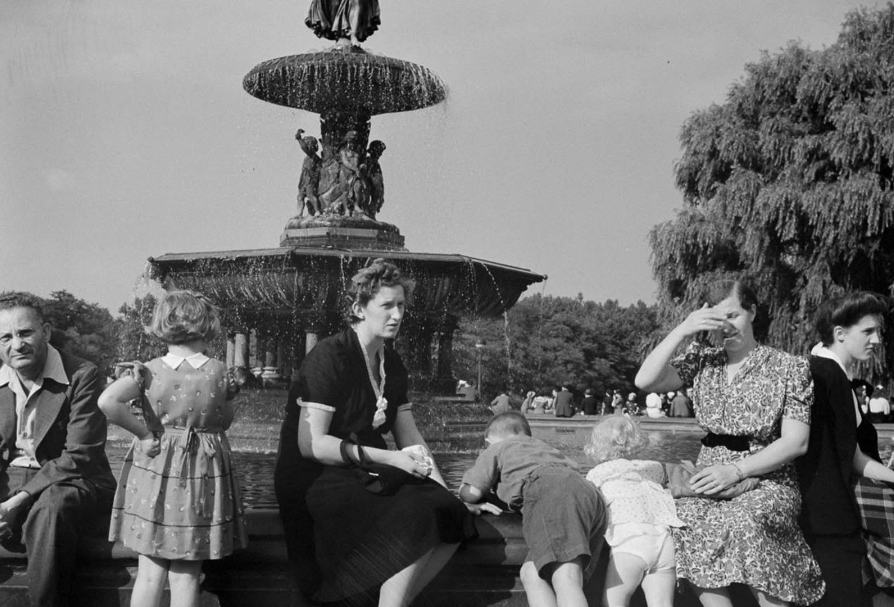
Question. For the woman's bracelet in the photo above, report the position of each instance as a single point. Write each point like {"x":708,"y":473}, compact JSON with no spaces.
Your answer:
{"x":739,"y":474}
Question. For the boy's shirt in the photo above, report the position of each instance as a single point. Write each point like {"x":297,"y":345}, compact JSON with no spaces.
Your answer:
{"x":505,"y":466}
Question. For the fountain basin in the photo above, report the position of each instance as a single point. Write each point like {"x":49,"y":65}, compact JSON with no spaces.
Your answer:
{"x":345,"y":79}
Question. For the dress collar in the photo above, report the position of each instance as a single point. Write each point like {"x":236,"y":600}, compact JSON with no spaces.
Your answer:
{"x":195,"y":360}
{"x":52,"y":369}
{"x":824,"y":352}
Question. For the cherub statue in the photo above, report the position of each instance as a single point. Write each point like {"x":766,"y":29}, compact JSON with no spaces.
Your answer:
{"x":374,"y":178}
{"x":345,"y":21}
{"x":351,"y":174}
{"x":310,"y":175}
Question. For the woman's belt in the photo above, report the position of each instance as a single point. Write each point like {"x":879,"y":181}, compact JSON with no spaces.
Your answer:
{"x":733,"y":443}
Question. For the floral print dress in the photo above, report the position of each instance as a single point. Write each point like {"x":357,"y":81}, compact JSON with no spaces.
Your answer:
{"x":753,"y":539}
{"x":184,"y":503}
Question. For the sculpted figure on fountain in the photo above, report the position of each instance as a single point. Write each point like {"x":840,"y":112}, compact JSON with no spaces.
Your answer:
{"x":310,"y":175}
{"x":345,"y":21}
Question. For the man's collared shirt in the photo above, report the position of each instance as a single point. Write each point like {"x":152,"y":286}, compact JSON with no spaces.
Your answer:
{"x":26,"y":404}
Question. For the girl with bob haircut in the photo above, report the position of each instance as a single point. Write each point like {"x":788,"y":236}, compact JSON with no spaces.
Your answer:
{"x":344,"y":542}
{"x":642,"y":514}
{"x":843,"y":447}
{"x":755,"y":403}
{"x":178,"y":501}
{"x":184,"y":316}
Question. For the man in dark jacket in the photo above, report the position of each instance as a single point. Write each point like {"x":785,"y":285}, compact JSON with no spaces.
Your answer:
{"x":54,"y":475}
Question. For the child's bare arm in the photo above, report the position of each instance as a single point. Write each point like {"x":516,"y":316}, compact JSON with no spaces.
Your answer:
{"x":470,"y":494}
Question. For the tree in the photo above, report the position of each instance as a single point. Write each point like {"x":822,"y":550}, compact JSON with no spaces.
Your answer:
{"x":543,"y":342}
{"x":790,"y":182}
{"x":84,"y":329}
{"x":133,"y":341}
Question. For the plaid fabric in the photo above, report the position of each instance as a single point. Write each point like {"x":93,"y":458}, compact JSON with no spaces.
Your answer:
{"x":876,"y":502}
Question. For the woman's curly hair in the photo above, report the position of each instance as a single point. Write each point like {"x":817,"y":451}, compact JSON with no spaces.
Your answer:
{"x":366,"y":283}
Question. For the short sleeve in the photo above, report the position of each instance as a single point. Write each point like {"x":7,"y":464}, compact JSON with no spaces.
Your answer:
{"x":486,"y":471}
{"x":689,"y":363}
{"x":798,"y":391}
{"x":595,"y":476}
{"x":321,"y":380}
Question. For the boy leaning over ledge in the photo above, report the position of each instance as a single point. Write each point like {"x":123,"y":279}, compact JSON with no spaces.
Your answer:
{"x":563,"y":516}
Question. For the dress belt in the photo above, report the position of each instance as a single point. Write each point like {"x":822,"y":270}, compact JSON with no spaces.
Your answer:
{"x":731,"y":442}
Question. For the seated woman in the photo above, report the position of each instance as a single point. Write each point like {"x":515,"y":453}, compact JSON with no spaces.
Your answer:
{"x":843,"y":444}
{"x":754,"y":401}
{"x":344,"y":541}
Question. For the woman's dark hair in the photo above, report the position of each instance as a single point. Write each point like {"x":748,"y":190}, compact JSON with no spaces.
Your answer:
{"x":846,"y":311}
{"x":366,"y":283}
{"x":719,"y":290}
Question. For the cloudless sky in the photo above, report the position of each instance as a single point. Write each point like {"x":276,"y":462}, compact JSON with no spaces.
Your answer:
{"x":125,"y":132}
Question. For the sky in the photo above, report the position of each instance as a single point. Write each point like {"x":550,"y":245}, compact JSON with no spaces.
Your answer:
{"x":125,"y":132}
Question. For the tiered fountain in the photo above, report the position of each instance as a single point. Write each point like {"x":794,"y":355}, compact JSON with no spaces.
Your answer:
{"x":284,"y":299}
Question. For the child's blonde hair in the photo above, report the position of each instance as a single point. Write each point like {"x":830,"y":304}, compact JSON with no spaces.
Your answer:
{"x":614,"y":438}
{"x":184,"y":316}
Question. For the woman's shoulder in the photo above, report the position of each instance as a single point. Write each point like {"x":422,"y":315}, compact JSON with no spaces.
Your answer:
{"x":784,"y":359}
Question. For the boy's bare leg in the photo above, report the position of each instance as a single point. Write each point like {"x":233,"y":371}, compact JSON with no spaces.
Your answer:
{"x":539,"y":591}
{"x":568,"y":583}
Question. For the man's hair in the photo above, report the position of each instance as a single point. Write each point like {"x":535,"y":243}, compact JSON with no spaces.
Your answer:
{"x":510,"y":423}
{"x":22,"y":299}
{"x":184,"y":316}
{"x":846,"y":311}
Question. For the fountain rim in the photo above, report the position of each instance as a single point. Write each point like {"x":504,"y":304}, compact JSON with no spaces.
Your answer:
{"x":293,"y":252}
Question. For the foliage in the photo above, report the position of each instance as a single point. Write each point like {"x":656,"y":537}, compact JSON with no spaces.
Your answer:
{"x":548,"y":341}
{"x":133,"y":342}
{"x":790,"y":182}
{"x":84,"y":329}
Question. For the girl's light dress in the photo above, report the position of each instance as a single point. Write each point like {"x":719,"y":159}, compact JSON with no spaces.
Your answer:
{"x":183,"y":503}
{"x":638,"y":503}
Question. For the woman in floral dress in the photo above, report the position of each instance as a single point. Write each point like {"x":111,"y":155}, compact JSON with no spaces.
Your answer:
{"x":754,"y":402}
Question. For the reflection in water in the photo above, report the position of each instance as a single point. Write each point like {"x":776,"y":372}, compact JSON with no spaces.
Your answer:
{"x":255,"y":470}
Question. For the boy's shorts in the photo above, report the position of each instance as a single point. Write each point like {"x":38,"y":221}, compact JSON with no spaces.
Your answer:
{"x":563,"y":517}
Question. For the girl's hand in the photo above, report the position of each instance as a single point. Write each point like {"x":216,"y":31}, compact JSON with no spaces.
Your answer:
{"x":150,"y":445}
{"x":714,"y":479}
{"x":703,"y":319}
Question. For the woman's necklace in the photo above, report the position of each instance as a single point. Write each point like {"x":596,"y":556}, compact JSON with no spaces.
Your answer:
{"x":378,"y":389}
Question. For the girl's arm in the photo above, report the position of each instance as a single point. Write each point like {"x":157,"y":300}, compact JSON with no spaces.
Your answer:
{"x":656,"y":373}
{"x":315,"y":443}
{"x":790,"y":445}
{"x":114,"y":402}
{"x":868,"y":467}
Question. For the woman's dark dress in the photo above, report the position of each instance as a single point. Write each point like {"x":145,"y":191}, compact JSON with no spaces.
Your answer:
{"x":342,"y":540}
{"x":830,"y":516}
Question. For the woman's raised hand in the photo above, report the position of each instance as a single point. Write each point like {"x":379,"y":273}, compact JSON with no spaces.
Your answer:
{"x":705,"y":318}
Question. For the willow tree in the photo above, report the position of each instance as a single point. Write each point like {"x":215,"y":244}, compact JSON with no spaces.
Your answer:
{"x":790,"y":181}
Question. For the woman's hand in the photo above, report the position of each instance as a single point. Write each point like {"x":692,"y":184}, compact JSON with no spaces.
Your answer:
{"x":150,"y":445}
{"x":714,"y":479}
{"x":703,"y":319}
{"x":410,"y":462}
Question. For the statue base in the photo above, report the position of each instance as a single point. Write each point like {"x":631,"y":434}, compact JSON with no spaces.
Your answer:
{"x":338,"y":232}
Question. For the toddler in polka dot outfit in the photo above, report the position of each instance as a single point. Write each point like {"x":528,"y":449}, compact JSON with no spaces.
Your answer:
{"x":641,"y":513}
{"x":177,"y":502}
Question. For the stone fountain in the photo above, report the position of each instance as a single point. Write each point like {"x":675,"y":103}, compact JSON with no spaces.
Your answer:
{"x":278,"y":302}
